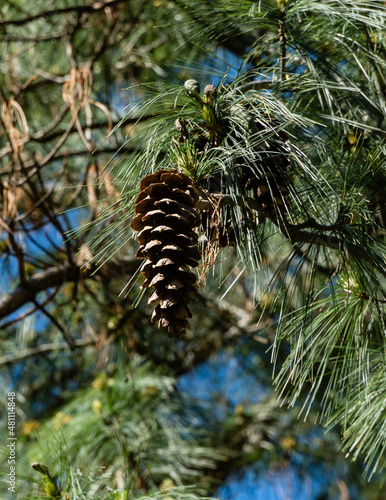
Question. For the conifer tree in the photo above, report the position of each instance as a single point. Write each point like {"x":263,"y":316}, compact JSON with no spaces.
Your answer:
{"x":240,"y":192}
{"x":290,"y":153}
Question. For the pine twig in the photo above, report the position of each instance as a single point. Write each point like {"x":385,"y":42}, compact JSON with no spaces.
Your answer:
{"x":283,"y":41}
{"x":295,"y":233}
{"x":258,"y":85}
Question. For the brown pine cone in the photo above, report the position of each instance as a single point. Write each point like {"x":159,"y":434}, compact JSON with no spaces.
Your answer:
{"x":165,"y":218}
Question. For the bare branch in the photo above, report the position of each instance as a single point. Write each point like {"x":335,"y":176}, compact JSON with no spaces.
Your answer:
{"x":91,"y":7}
{"x":37,"y":38}
{"x":27,"y":291}
{"x":53,"y":320}
{"x":56,"y":276}
{"x":19,"y":255}
{"x":42,"y":133}
{"x":32,"y":351}
{"x":28,"y":313}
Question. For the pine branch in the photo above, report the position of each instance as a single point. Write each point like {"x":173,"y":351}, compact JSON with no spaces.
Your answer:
{"x":296,"y":233}
{"x":335,"y":243}
{"x":258,"y":85}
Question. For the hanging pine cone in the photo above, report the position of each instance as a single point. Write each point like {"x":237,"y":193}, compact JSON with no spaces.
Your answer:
{"x":165,"y":218}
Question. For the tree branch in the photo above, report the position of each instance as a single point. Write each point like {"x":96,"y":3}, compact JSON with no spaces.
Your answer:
{"x":32,"y":39}
{"x":258,"y":85}
{"x":27,"y":291}
{"x":34,"y":165}
{"x":283,"y":42}
{"x":32,"y":351}
{"x":295,"y":233}
{"x":56,"y":276}
{"x":335,"y":243}
{"x":53,"y":320}
{"x":93,"y":7}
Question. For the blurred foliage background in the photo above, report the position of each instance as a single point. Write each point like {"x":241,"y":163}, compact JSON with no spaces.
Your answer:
{"x":107,"y":406}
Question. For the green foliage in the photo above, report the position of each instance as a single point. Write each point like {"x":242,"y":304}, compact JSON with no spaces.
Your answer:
{"x":336,"y":351}
{"x":326,"y":95}
{"x":134,"y":428}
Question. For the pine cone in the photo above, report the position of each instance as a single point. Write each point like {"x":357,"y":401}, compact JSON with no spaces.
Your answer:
{"x":165,"y":218}
{"x":272,"y":183}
